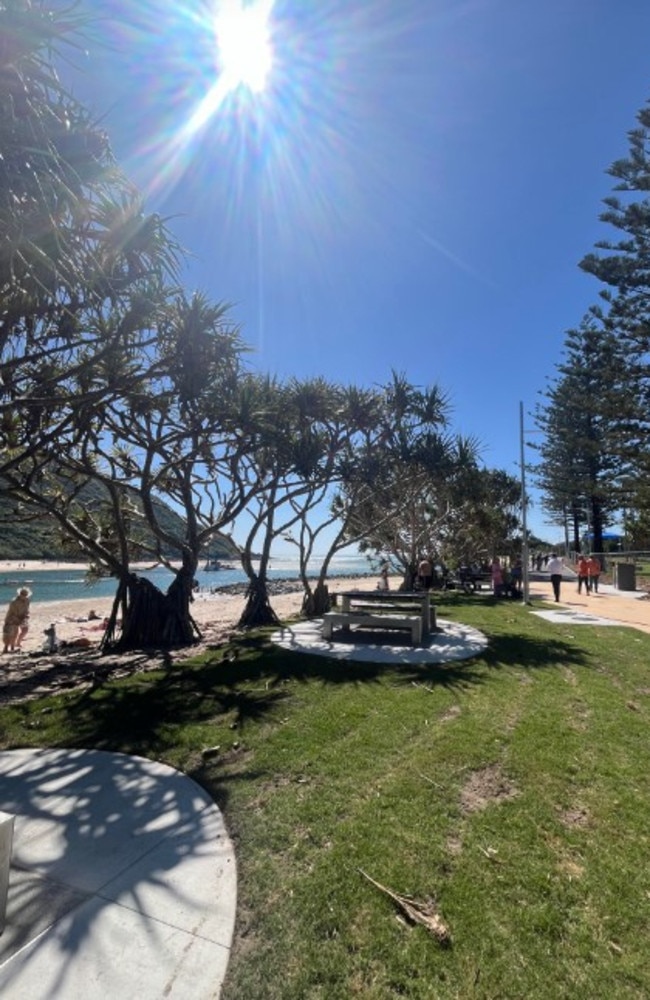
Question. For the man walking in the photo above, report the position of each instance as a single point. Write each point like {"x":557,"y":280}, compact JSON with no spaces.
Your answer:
{"x":555,"y":567}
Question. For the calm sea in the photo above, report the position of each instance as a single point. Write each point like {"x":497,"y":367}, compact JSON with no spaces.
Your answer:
{"x":70,"y":584}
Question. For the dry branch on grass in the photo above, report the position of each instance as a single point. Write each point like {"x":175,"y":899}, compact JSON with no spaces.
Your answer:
{"x":416,"y":911}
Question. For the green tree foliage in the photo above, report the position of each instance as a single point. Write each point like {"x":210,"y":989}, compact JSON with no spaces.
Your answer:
{"x":582,"y":470}
{"x":596,"y":458}
{"x":81,"y":265}
{"x":351,"y":428}
{"x":411,"y":478}
{"x":182,"y":433}
{"x":312,"y":435}
{"x":485,"y":521}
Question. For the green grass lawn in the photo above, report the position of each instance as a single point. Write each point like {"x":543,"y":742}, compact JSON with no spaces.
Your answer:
{"x":514,"y":790}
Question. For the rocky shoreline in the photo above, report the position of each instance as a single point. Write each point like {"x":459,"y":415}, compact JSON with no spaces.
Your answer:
{"x":283,"y":585}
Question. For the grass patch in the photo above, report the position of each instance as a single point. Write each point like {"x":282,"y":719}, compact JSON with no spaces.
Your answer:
{"x":513,"y":789}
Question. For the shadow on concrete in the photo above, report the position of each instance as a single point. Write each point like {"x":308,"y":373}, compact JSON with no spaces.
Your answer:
{"x":123,"y":878}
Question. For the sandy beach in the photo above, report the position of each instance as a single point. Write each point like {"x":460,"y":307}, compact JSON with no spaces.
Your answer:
{"x":215,"y":613}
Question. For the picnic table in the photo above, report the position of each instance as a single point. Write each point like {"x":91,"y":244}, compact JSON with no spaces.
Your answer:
{"x":383,"y":610}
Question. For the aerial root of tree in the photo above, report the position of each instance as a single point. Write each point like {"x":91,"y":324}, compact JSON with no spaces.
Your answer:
{"x":316,"y":602}
{"x":257,"y":609}
{"x":151,"y":619}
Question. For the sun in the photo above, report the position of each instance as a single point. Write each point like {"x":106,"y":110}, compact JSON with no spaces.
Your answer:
{"x":244,"y":42}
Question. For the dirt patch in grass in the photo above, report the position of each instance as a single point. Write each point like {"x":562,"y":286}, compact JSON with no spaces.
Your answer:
{"x":484,"y":787}
{"x":573,"y":816}
{"x":454,"y":845}
{"x":580,"y":715}
{"x":570,"y":868}
{"x":452,"y":713}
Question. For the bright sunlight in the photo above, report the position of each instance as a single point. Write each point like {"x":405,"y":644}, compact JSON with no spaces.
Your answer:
{"x":244,"y":42}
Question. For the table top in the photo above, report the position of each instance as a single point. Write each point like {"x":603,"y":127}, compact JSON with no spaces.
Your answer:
{"x":386,"y":595}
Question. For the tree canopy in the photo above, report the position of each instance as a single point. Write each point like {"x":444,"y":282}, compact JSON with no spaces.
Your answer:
{"x":595,"y":458}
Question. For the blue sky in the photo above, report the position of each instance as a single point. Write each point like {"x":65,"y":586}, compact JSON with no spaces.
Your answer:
{"x":413,"y":189}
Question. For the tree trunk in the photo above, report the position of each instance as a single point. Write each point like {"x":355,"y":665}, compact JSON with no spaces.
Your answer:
{"x":151,"y":619}
{"x":257,"y":610}
{"x":576,"y":531}
{"x":317,"y":601}
{"x":596,"y":525}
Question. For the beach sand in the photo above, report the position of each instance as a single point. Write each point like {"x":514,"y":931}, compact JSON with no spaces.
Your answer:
{"x":34,"y":673}
{"x":216,"y":614}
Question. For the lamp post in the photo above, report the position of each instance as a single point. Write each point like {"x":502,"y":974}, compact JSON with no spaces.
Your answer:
{"x":524,"y":527}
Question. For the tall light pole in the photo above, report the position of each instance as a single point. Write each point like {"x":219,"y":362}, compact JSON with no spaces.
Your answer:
{"x":524,"y":527}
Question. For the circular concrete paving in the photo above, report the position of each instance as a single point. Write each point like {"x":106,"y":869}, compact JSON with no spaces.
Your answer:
{"x":123,"y":881}
{"x":452,"y":641}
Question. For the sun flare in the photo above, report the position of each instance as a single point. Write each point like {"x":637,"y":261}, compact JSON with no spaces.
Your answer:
{"x":244,"y":42}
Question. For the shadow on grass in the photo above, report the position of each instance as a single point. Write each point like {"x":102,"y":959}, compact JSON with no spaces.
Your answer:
{"x":532,"y":653}
{"x":38,"y":675}
{"x":213,"y":697}
{"x":248,"y":680}
{"x":245,"y":682}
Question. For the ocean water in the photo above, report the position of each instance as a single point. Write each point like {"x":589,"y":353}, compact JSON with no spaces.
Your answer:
{"x":70,"y":584}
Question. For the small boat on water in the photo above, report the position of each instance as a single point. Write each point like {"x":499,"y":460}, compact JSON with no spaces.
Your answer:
{"x":212,"y":565}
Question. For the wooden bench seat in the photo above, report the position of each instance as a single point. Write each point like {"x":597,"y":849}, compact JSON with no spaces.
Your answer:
{"x":365,"y":619}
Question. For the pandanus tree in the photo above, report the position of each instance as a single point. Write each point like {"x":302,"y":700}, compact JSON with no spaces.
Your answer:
{"x":313,"y":430}
{"x":178,"y":436}
{"x":414,"y":466}
{"x":82,"y":267}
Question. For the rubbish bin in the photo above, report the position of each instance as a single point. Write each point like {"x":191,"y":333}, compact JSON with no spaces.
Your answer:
{"x":625,"y":576}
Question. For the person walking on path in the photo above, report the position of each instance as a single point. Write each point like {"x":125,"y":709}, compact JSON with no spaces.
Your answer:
{"x":555,"y":567}
{"x":497,"y":577}
{"x":16,"y":623}
{"x":594,"y":572}
{"x":583,"y":574}
{"x":516,"y":576}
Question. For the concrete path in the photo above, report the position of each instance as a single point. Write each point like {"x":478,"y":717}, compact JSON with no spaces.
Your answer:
{"x":619,"y":607}
{"x":123,"y":883}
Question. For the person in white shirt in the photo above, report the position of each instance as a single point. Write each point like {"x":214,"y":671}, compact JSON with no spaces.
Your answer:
{"x":555,"y":567}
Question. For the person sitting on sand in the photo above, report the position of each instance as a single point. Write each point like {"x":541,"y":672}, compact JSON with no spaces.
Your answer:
{"x":51,"y":643}
{"x":16,"y":623}
{"x":101,"y":626}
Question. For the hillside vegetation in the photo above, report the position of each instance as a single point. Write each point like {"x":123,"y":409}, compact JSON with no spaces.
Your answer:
{"x":40,"y":538}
